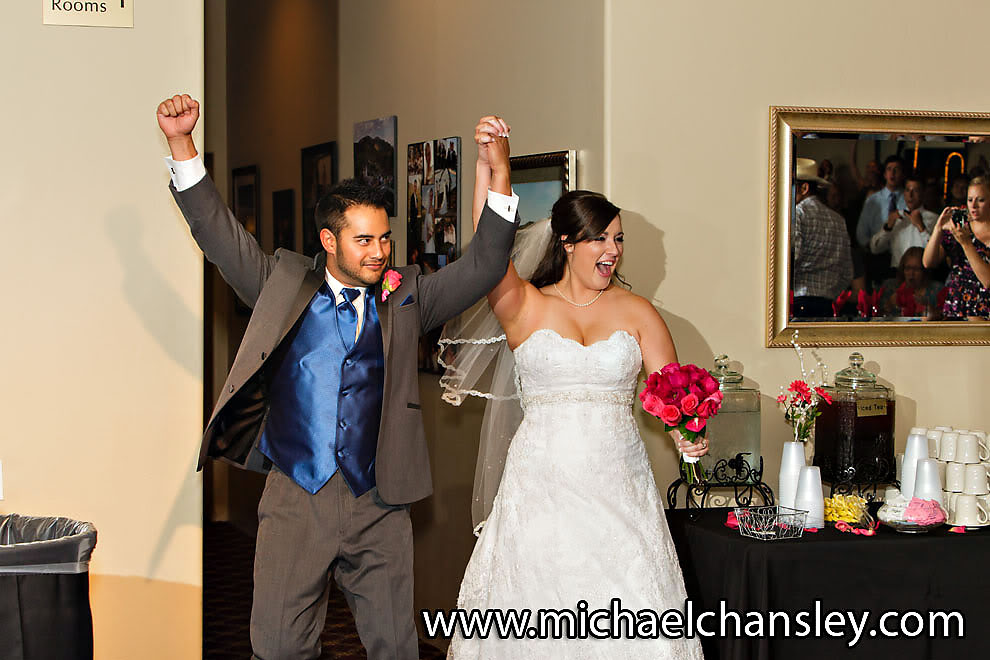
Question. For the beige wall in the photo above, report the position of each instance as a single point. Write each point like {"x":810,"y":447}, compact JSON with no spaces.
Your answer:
{"x":102,"y":287}
{"x":439,"y":66}
{"x":691,"y":85}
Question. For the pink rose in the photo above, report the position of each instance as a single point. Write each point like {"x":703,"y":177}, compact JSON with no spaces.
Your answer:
{"x":670,"y":415}
{"x":673,"y":397}
{"x":709,"y":384}
{"x":696,"y":424}
{"x":679,"y":379}
{"x":670,"y":368}
{"x":653,"y":380}
{"x":697,"y":373}
{"x":697,"y":391}
{"x":689,"y":404}
{"x":653,"y":405}
{"x":709,"y":407}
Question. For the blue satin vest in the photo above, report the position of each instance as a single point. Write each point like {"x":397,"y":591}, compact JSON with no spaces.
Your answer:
{"x":325,"y":402}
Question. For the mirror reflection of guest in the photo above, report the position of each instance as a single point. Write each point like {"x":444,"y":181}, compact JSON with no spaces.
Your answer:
{"x":908,"y":227}
{"x":967,"y":246}
{"x":958,"y":185}
{"x":880,"y":205}
{"x":821,"y":259}
{"x":911,"y":292}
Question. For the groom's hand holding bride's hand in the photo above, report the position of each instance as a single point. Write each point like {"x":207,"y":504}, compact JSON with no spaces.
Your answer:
{"x":492,"y":137}
{"x":696,"y":449}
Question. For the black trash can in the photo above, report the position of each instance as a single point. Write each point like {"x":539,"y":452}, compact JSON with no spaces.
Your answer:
{"x":44,"y":588}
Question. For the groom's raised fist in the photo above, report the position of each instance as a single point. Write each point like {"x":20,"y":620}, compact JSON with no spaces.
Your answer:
{"x":178,"y":115}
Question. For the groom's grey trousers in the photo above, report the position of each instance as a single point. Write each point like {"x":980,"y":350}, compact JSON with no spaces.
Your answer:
{"x":365,"y":544}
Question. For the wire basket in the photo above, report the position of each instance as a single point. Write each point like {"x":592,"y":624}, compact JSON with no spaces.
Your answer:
{"x":771,"y":523}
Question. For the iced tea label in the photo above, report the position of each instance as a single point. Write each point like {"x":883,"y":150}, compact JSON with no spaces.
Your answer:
{"x":871,"y":408}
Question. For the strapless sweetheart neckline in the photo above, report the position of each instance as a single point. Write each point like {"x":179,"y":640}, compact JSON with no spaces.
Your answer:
{"x":575,"y":341}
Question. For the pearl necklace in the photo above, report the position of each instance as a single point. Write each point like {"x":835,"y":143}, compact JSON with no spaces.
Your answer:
{"x":561,"y":294}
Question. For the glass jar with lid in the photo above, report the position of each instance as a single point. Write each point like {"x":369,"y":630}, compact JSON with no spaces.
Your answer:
{"x":854,"y":437}
{"x":735,"y":430}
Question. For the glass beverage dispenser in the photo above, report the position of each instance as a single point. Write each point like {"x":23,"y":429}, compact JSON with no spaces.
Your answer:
{"x":734,"y":451}
{"x":854,"y":437}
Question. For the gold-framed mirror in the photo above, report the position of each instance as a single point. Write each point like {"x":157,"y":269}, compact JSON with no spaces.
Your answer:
{"x":850,"y":156}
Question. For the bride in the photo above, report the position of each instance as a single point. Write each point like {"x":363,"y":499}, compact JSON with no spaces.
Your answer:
{"x":577,"y":520}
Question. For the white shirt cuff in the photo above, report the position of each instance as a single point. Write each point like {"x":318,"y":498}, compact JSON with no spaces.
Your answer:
{"x":186,"y":173}
{"x":504,"y":205}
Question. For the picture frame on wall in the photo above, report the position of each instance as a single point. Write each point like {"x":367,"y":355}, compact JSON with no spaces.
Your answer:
{"x":284,"y":219}
{"x":246,"y":196}
{"x":433,"y":239}
{"x":319,"y":174}
{"x":540,"y":180}
{"x":375,"y":157}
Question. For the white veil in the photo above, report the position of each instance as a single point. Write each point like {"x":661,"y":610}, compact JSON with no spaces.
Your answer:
{"x":469,"y":347}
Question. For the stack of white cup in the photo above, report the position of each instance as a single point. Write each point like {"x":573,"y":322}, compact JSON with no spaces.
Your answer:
{"x":964,"y":468}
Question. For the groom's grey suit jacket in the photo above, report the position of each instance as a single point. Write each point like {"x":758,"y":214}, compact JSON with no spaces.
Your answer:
{"x":279,"y":287}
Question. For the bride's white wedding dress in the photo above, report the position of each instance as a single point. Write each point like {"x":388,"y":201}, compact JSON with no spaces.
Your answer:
{"x":577,"y":515}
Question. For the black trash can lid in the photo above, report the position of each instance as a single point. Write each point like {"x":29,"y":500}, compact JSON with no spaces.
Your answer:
{"x":32,"y":544}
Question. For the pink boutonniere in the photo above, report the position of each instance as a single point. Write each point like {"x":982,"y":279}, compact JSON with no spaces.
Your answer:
{"x":390,"y":282}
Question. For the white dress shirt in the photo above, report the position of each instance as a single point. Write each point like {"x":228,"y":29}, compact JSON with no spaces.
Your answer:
{"x":336,"y":286}
{"x":903,"y":236}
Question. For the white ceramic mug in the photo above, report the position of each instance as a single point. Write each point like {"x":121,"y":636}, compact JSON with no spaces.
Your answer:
{"x":969,"y":512}
{"x":975,"y":480}
{"x":955,"y":477}
{"x":941,"y":472}
{"x":943,"y":428}
{"x":969,"y":449}
{"x":933,"y":438}
{"x":949,"y":505}
{"x":947,"y":446}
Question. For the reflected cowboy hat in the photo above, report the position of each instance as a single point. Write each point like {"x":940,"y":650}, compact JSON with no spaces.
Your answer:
{"x":806,"y":169}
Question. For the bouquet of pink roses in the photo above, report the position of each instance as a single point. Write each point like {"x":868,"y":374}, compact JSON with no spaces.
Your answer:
{"x":684,"y":397}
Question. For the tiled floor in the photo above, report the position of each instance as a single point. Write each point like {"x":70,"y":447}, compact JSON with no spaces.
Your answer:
{"x":228,"y":564}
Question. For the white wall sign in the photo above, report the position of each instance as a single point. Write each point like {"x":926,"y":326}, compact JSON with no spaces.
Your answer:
{"x":92,"y":13}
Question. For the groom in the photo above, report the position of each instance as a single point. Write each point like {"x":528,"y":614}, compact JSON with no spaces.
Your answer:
{"x":323,"y":394}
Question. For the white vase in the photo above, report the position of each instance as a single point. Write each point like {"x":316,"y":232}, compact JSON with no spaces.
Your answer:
{"x":791,"y":462}
{"x":810,"y":498}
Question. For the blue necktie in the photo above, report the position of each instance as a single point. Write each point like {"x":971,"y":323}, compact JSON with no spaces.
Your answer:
{"x":892,"y":204}
{"x":347,"y":317}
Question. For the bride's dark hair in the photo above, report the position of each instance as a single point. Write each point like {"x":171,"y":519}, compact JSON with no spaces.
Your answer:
{"x":579,"y":215}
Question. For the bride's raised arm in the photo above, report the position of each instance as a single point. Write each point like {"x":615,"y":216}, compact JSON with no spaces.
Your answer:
{"x":493,"y":172}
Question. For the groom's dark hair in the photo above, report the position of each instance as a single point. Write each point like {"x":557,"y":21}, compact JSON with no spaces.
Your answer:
{"x":333,"y":205}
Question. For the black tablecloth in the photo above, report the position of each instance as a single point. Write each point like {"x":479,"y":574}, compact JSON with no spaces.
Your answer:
{"x":937,"y":571}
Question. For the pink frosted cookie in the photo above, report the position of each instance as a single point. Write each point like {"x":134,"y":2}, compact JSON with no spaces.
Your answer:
{"x":924,"y":512}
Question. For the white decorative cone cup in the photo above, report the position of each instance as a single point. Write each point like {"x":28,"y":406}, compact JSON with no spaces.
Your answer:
{"x":915,"y":450}
{"x":791,"y":462}
{"x":809,"y":496}
{"x":927,"y":484}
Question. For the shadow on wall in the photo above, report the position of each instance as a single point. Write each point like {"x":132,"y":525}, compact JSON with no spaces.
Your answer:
{"x":169,"y":320}
{"x":155,"y":301}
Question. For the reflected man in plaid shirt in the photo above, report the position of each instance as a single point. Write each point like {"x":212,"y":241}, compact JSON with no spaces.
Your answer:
{"x":821,"y":256}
